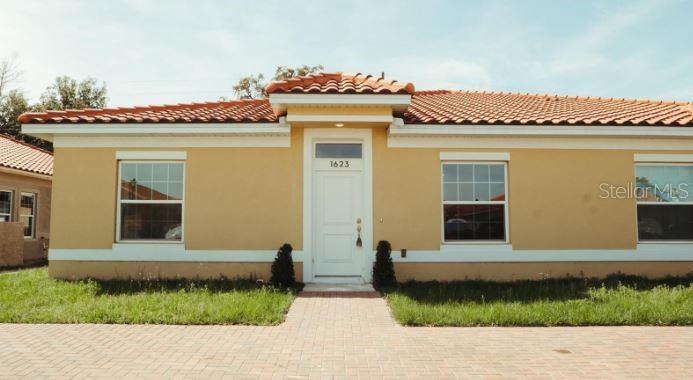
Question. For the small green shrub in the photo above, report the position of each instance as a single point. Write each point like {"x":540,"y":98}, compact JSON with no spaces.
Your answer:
{"x":283,"y":275}
{"x":383,"y":268}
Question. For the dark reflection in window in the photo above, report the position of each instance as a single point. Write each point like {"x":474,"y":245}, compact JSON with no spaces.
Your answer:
{"x":331,"y":150}
{"x":474,"y":222}
{"x":140,"y":221}
{"x":665,"y":222}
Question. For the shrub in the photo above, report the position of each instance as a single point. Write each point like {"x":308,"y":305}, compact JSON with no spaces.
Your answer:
{"x":283,"y":275}
{"x":383,"y":268}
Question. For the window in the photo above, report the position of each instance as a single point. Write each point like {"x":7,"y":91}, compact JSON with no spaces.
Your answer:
{"x":664,"y":202}
{"x":151,"y":201}
{"x":474,"y":202}
{"x":5,"y":206}
{"x":27,"y":214}
{"x":338,"y":150}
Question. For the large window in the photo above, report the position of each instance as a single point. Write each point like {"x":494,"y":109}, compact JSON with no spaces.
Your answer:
{"x":5,"y":206}
{"x":665,"y":202}
{"x":151,"y":201}
{"x":27,"y":214}
{"x":474,"y":202}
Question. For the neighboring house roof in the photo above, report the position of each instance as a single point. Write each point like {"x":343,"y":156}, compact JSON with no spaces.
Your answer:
{"x":340,"y":83}
{"x":21,"y":156}
{"x":427,"y":107}
{"x":236,"y":111}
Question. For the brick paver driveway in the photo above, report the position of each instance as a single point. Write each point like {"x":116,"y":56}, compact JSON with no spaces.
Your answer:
{"x":339,"y":338}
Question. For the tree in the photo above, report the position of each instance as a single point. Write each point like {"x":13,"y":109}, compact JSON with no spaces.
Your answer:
{"x":9,"y":72}
{"x":66,"y":93}
{"x":253,"y":87}
{"x":13,"y":104}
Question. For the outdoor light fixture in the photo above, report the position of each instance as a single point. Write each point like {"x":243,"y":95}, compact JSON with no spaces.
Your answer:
{"x":339,"y":125}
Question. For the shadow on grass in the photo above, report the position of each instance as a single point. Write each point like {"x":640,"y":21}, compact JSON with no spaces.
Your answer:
{"x":125,"y":287}
{"x":433,"y":293}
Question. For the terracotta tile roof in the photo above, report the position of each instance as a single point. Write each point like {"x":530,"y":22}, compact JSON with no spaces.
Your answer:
{"x":237,"y":111}
{"x":466,"y":107}
{"x":21,"y":156}
{"x":340,"y":83}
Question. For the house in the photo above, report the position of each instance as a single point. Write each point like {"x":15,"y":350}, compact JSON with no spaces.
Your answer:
{"x":462,"y":184}
{"x":25,"y":202}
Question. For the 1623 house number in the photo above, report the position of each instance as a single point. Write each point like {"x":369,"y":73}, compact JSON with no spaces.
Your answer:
{"x":339,"y":163}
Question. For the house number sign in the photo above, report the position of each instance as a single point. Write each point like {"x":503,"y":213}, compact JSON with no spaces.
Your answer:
{"x":340,"y":164}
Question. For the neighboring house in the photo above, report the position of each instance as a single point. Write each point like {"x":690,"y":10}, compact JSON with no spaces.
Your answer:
{"x":25,"y":202}
{"x":471,"y":184}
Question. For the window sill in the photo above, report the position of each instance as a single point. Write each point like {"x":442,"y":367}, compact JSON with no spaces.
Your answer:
{"x":476,"y":247}
{"x":142,"y":247}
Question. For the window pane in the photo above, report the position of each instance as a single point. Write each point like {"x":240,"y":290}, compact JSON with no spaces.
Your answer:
{"x":450,"y":192}
{"x":467,"y":192}
{"x":497,"y":173}
{"x":151,"y":221}
{"x":28,"y":223}
{"x":657,"y":183}
{"x":481,"y":173}
{"x":5,"y":202}
{"x":474,"y":222}
{"x":481,"y":191}
{"x":665,"y":222}
{"x":27,"y":204}
{"x":450,"y":173}
{"x":152,"y":181}
{"x":497,"y":192}
{"x":466,"y":172}
{"x":338,"y":150}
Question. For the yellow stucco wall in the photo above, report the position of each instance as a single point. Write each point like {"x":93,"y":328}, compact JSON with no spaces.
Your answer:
{"x":553,"y":194}
{"x":235,"y":198}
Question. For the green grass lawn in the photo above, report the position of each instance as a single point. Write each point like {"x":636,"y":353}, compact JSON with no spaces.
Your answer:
{"x":617,"y":300}
{"x":30,"y":296}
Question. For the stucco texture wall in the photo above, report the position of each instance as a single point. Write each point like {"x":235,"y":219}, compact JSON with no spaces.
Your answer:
{"x":554,"y":197}
{"x":33,"y":249}
{"x":235,"y":198}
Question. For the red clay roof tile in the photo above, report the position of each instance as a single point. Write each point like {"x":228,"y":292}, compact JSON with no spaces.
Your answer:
{"x":340,"y":83}
{"x":427,"y":107}
{"x":473,"y":107}
{"x":21,"y":156}
{"x":237,"y":111}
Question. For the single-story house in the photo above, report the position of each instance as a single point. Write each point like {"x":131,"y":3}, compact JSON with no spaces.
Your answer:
{"x":463,"y":184}
{"x":25,"y":202}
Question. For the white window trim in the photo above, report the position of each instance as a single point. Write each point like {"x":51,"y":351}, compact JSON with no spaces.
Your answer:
{"x":33,"y":215}
{"x":669,"y":159}
{"x":658,"y":160}
{"x":506,"y":203}
{"x":119,"y":202}
{"x":151,"y":155}
{"x":3,"y":190}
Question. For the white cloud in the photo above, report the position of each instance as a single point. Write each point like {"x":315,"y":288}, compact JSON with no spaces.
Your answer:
{"x":444,"y":73}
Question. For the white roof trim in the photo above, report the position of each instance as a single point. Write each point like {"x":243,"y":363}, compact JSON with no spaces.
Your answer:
{"x":25,"y":173}
{"x":403,"y":130}
{"x":398,"y":102}
{"x":340,"y":118}
{"x":47,"y":131}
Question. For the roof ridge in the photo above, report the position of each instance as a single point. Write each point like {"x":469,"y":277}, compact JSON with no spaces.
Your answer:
{"x":13,"y":139}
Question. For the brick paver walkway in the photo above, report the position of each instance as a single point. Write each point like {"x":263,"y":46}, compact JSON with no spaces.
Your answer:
{"x":340,"y":338}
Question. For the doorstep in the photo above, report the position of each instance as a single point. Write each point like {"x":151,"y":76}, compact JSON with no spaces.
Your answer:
{"x":339,"y":290}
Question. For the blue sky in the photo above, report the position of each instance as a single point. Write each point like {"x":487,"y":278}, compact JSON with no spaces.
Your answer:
{"x":173,"y":51}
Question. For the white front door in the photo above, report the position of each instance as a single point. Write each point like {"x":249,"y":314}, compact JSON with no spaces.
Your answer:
{"x":338,"y":209}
